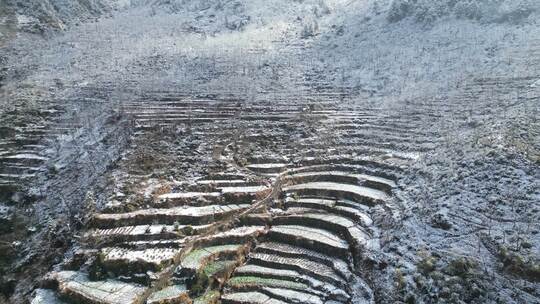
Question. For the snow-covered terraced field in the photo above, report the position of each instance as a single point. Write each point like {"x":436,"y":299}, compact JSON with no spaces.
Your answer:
{"x":294,"y":221}
{"x":269,"y":151}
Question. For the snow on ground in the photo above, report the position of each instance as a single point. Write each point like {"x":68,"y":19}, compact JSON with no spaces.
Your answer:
{"x":483,"y":174}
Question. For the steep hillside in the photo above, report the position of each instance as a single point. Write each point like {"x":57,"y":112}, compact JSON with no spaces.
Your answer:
{"x":489,"y":11}
{"x":225,"y":148}
{"x":37,"y":16}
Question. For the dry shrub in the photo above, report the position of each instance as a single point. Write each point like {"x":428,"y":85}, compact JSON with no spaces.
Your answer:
{"x":259,"y":196}
{"x":162,"y":189}
{"x":183,"y":299}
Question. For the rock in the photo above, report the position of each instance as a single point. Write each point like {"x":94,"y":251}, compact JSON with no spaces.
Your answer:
{"x":440,"y":220}
{"x":445,"y":292}
{"x":7,"y":286}
{"x":6,"y":219}
{"x":17,"y":197}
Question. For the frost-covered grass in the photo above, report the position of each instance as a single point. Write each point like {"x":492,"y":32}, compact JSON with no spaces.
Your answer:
{"x":241,"y":281}
{"x":213,"y":268}
{"x":170,"y":293}
{"x":196,"y":258}
{"x":209,"y":297}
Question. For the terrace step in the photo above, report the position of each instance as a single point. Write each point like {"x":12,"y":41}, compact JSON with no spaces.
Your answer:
{"x":267,"y":168}
{"x":355,"y":235}
{"x":311,"y":238}
{"x":251,"y":297}
{"x":169,"y":295}
{"x":316,"y":286}
{"x":186,"y":198}
{"x":222,"y":183}
{"x":182,"y":215}
{"x":127,"y":261}
{"x":285,"y":250}
{"x":143,"y":232}
{"x":378,"y":183}
{"x":363,"y":195}
{"x":242,"y":234}
{"x":209,"y":297}
{"x":196,"y":259}
{"x":379,"y":165}
{"x":331,"y":206}
{"x":140,"y":245}
{"x":307,"y":267}
{"x":292,"y":296}
{"x":77,"y":288}
{"x":252,"y":282}
{"x":369,"y":168}
{"x":243,"y":189}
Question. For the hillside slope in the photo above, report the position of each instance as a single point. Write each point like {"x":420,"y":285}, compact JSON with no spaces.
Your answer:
{"x":440,"y":97}
{"x":38,"y":16}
